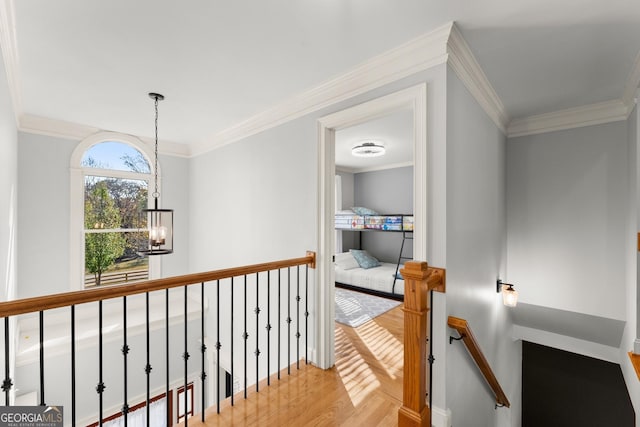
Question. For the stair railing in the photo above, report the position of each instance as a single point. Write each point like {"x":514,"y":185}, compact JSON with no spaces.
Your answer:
{"x":463,"y":328}
{"x":259,"y":273}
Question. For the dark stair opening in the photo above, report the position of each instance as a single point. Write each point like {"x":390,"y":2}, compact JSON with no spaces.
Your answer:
{"x":565,"y":389}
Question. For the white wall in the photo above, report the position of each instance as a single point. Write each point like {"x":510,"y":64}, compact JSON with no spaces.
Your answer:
{"x":476,"y":249}
{"x":43,"y":208}
{"x":567,"y":204}
{"x":631,"y":293}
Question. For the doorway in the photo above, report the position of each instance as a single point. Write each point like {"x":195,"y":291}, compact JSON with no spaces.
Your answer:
{"x":413,"y":99}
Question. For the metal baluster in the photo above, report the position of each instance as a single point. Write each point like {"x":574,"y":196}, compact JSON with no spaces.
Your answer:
{"x":232,"y":364}
{"x":268,"y":327}
{"x":100,"y":387}
{"x":218,"y":344}
{"x":431,"y":359}
{"x":42,"y":358}
{"x":306,"y":316}
{"x":73,"y":365}
{"x":125,"y":353}
{"x":166,"y":349}
{"x":298,"y":317}
{"x":245,"y":336}
{"x":203,"y":348}
{"x":6,"y":384}
{"x":279,"y":322}
{"x":257,"y":311}
{"x":185,"y":356}
{"x":288,"y":320}
{"x":147,"y":368}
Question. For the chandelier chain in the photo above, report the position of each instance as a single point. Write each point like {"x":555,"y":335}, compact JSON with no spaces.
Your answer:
{"x":156,"y":194}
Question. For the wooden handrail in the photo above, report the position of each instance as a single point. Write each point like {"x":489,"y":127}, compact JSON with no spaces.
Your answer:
{"x":419,"y":279}
{"x":66,"y":299}
{"x":462,"y":326}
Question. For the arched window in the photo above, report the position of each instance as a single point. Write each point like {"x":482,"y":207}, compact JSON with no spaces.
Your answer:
{"x":110,"y":176}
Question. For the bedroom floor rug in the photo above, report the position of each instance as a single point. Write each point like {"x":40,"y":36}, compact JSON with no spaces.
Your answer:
{"x":355,"y":308}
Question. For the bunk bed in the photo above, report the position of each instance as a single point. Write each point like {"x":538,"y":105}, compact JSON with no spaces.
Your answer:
{"x":359,"y":270}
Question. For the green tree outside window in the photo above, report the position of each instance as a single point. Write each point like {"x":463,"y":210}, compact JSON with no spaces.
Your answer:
{"x":102,"y":248}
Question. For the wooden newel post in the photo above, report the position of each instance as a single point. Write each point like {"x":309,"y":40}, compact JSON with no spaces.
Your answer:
{"x":414,"y":410}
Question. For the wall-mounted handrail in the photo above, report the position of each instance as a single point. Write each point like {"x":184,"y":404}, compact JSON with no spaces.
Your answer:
{"x":67,"y":299}
{"x":462,"y":326}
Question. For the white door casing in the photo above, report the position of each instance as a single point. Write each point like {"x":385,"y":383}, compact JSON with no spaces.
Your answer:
{"x":414,"y":97}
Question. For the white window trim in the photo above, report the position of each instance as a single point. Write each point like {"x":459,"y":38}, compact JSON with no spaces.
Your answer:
{"x":76,"y":199}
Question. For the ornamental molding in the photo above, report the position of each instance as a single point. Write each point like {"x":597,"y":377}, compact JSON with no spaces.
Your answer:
{"x":442,"y":45}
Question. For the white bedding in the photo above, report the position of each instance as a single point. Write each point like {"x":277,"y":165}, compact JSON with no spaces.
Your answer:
{"x":377,"y":278}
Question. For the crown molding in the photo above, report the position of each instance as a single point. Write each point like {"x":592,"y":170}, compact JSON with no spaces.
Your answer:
{"x":409,"y":58}
{"x":586,"y":115}
{"x":631,"y":87}
{"x":373,"y":168}
{"x":468,"y":70}
{"x":56,"y":128}
{"x":442,"y":45}
{"x":9,"y":47}
{"x":169,"y":148}
{"x":60,"y":129}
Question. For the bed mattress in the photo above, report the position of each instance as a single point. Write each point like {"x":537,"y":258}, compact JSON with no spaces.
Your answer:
{"x":377,"y":278}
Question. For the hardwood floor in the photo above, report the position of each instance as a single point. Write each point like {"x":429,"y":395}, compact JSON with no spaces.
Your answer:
{"x":364,"y":388}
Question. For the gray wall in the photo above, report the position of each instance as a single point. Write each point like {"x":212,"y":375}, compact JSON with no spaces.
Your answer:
{"x":176,"y":195}
{"x":57,"y":368}
{"x":476,"y":248}
{"x":350,"y":240}
{"x":348,"y":185}
{"x":568,"y":198}
{"x":257,"y":200}
{"x":43,"y":265}
{"x":44,"y":208}
{"x":43,"y":205}
{"x":8,"y":202}
{"x":387,"y":191}
{"x":8,"y":191}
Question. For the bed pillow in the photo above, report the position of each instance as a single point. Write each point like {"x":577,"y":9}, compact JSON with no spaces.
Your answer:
{"x":364,"y":258}
{"x":364,"y":211}
{"x":346,"y":261}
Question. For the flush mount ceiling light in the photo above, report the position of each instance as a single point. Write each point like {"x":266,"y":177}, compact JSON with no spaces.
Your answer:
{"x":368,"y":149}
{"x":159,"y":223}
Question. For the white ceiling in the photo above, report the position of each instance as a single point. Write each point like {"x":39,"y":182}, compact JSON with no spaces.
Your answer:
{"x":218,"y":63}
{"x":394,"y":131}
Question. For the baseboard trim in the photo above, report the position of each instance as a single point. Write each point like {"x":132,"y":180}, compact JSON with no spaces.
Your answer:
{"x":440,"y":417}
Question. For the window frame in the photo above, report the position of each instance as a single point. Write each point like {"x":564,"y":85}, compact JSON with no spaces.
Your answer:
{"x":189,"y":411}
{"x":139,"y":406}
{"x":77,"y":174}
